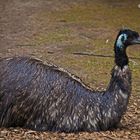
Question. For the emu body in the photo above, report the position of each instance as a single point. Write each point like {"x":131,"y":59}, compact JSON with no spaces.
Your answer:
{"x":43,"y":97}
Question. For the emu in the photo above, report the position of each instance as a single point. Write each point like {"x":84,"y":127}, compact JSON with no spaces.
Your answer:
{"x":43,"y":97}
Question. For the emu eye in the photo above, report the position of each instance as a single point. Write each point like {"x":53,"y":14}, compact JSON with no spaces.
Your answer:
{"x":124,"y":38}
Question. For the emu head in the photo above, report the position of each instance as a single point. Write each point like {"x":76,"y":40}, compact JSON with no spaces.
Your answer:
{"x":127,"y":37}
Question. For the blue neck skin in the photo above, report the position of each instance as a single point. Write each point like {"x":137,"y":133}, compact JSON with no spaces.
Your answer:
{"x":121,"y":58}
{"x":120,"y":41}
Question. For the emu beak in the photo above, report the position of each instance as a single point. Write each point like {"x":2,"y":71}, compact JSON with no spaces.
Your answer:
{"x":136,"y":41}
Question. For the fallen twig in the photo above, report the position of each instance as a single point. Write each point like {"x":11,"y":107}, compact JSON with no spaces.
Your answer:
{"x":99,"y":55}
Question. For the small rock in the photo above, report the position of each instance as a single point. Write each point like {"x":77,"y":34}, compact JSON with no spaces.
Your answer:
{"x":107,"y":41}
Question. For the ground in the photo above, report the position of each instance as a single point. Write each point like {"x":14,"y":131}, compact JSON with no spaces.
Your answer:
{"x":77,"y":35}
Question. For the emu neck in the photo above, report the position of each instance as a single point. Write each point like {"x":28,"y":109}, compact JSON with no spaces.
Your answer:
{"x":116,"y":97}
{"x":120,"y":80}
{"x":121,"y":58}
{"x":121,"y":76}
